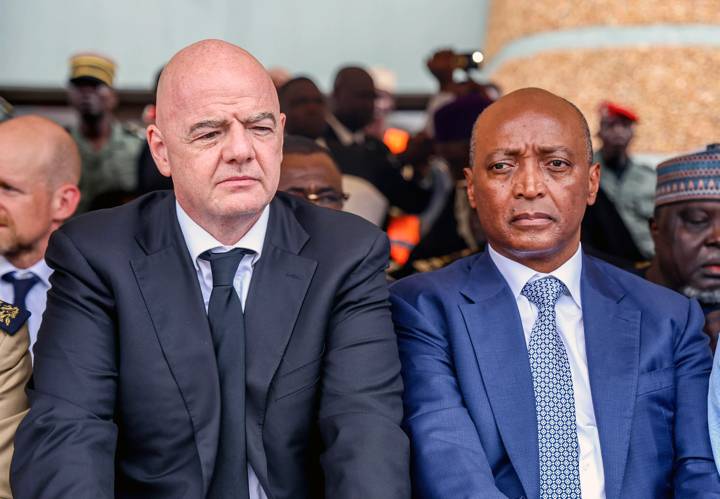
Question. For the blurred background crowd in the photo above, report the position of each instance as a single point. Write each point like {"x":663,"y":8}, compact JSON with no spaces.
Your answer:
{"x":380,"y":103}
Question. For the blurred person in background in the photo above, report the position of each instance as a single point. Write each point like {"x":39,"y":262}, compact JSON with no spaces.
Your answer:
{"x":309,"y":172}
{"x":6,"y":110}
{"x":149,"y":177}
{"x":365,"y":157}
{"x":444,"y":65}
{"x":305,"y":108}
{"x":452,"y":231}
{"x":39,"y":173}
{"x":628,"y":185}
{"x":109,"y":150}
{"x":686,"y":231}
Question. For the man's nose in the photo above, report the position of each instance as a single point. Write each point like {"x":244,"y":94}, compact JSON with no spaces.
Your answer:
{"x":713,"y":237}
{"x":529,"y":180}
{"x":238,"y":146}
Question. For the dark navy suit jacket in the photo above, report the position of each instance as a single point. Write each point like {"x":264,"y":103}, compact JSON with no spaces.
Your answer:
{"x":125,"y":398}
{"x":469,"y":400}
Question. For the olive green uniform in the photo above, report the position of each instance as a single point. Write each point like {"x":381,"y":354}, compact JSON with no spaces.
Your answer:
{"x":633,"y":195}
{"x":114,"y":167}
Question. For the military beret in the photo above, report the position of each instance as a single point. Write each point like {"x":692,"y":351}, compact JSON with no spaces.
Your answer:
{"x":615,"y":110}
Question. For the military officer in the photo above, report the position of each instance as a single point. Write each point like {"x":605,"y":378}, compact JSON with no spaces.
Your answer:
{"x":15,"y":370}
{"x":628,"y":184}
{"x":109,"y":150}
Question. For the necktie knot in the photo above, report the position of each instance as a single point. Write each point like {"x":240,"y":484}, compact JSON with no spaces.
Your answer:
{"x":21,"y":286}
{"x":224,"y":265}
{"x":545,"y":292}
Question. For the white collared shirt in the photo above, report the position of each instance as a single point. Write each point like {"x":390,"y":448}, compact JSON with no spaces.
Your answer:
{"x":344,"y":135}
{"x":37,"y":296}
{"x":198,"y":241}
{"x":570,"y":325}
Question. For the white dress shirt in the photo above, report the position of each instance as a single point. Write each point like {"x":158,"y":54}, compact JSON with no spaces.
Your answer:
{"x":198,"y":241}
{"x":344,"y":135}
{"x":37,"y":296}
{"x":570,"y":325}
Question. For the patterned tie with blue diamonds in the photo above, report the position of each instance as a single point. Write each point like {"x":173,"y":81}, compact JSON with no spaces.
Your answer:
{"x":554,"y":398}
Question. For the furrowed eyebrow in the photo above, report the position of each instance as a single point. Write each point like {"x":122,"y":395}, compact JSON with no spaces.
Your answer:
{"x":552,"y":149}
{"x":501,"y":152}
{"x":260,"y":117}
{"x":207,"y":124}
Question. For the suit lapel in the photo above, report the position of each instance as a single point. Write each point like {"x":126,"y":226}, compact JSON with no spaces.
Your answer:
{"x":495,"y":329}
{"x":280,"y":281}
{"x":169,"y":286}
{"x":612,"y":339}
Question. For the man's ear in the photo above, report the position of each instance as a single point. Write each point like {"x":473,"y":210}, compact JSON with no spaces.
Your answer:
{"x":158,"y":149}
{"x":64,"y":202}
{"x":470,"y":187}
{"x":593,"y":183}
{"x":654,"y":230}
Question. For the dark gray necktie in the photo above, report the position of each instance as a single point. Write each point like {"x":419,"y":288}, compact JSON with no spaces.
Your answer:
{"x":227,"y":324}
{"x":21,"y":287}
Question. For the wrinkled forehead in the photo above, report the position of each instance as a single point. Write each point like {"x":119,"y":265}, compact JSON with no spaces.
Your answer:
{"x":192,"y":92}
{"x":528,"y":127}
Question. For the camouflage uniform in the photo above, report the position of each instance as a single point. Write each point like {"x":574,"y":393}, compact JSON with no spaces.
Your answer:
{"x":114,"y":167}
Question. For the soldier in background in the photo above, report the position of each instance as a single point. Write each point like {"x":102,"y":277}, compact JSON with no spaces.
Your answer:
{"x":627,"y":184}
{"x":109,"y":151}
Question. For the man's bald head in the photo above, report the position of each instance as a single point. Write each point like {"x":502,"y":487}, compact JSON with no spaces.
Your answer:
{"x":530,"y":99}
{"x":44,"y":147}
{"x":39,"y":173}
{"x":191,"y":67}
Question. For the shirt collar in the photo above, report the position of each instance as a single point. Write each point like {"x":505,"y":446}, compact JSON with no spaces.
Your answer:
{"x":517,"y":274}
{"x":198,"y":240}
{"x":40,"y":269}
{"x":344,"y":135}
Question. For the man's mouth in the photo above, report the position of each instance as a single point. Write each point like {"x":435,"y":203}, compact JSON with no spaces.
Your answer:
{"x":532,"y":219}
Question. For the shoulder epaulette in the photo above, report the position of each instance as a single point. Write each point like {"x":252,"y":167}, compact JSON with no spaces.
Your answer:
{"x":12,"y":318}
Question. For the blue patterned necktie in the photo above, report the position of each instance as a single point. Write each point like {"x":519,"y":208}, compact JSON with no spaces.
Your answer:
{"x":554,"y":398}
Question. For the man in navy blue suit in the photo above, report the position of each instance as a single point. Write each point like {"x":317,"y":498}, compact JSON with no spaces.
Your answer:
{"x":533,"y":370}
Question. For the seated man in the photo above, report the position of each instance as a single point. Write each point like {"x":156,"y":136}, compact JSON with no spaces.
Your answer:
{"x":218,"y":341}
{"x":686,"y":232}
{"x":308,"y":171}
{"x":533,"y":370}
{"x":15,"y":370}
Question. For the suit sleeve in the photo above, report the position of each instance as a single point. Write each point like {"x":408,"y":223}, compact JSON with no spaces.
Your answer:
{"x":15,"y":369}
{"x":65,"y":446}
{"x":448,"y":459}
{"x":366,"y":452}
{"x":696,"y":475}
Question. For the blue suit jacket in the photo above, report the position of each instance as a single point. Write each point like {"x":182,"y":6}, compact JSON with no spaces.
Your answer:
{"x":469,"y":400}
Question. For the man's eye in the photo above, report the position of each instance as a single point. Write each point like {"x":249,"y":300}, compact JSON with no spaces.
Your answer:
{"x":263,"y":130}
{"x":499,"y":166}
{"x":558,"y":163}
{"x":209,"y":136}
